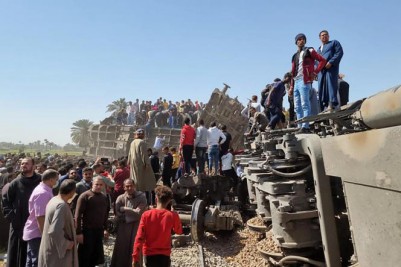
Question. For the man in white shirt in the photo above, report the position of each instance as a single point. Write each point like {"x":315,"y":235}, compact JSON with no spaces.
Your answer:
{"x":213,"y":143}
{"x":131,"y":115}
{"x":252,"y":103}
{"x":227,"y":168}
{"x":135,"y":110}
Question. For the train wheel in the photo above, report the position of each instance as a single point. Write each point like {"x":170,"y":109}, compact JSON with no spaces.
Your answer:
{"x":197,"y":219}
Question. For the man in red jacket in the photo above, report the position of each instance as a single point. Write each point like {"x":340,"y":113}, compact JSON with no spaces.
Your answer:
{"x":122,"y":173}
{"x":154,"y":233}
{"x":187,"y":142}
{"x":304,"y":73}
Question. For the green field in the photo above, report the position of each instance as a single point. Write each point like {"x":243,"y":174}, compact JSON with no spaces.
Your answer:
{"x":32,"y":151}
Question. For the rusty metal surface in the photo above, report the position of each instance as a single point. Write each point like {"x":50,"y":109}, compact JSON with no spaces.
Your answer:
{"x":370,"y":158}
{"x":223,"y":109}
{"x":113,"y":141}
{"x":383,"y":109}
{"x":369,"y":165}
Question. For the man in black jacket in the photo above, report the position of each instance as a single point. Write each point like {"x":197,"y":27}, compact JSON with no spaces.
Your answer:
{"x":167,"y":166}
{"x":15,"y":210}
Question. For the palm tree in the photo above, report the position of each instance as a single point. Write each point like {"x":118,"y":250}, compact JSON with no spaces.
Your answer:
{"x":117,"y":105}
{"x":46,"y":143}
{"x":80,"y":132}
{"x":51,"y":145}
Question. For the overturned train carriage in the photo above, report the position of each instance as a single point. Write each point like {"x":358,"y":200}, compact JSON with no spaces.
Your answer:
{"x":113,"y":141}
{"x":332,"y":197}
{"x":224,"y":110}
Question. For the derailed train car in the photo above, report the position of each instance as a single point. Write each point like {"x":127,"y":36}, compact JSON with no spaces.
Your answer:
{"x":110,"y":140}
{"x":333,"y":197}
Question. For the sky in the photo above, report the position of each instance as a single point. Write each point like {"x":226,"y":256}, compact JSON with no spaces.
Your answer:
{"x":62,"y":61}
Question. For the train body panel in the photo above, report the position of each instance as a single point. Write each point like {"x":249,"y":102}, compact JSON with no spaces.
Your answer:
{"x":368,"y":164}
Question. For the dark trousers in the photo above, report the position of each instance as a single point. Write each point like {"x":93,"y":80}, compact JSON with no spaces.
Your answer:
{"x":157,"y":261}
{"x":90,"y":253}
{"x":150,"y":197}
{"x":32,"y":258}
{"x":187,"y":151}
{"x":233,"y":177}
{"x":16,"y":252}
{"x":174,"y":174}
{"x":275,"y":117}
{"x":167,"y":178}
{"x":291,"y":108}
{"x":201,"y":158}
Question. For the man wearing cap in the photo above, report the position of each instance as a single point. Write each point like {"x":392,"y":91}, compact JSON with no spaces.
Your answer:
{"x":140,"y":169}
{"x":304,"y":73}
{"x":332,"y":51}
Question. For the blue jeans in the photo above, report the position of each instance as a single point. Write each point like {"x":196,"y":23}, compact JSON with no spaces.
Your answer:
{"x":214,"y":158}
{"x":171,"y":121}
{"x":130,"y":119}
{"x":201,"y":158}
{"x":32,"y":257}
{"x":301,"y":101}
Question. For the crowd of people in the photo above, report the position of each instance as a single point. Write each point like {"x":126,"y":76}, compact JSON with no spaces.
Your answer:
{"x":308,"y":65}
{"x":161,"y":113}
{"x":59,"y":207}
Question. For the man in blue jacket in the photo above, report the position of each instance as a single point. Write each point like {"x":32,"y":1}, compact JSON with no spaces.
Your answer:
{"x":328,"y":77}
{"x":274,"y":102}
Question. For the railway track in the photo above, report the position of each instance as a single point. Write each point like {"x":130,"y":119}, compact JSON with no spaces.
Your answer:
{"x":231,"y":249}
{"x":201,"y":256}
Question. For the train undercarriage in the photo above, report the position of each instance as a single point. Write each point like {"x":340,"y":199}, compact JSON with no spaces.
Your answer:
{"x":329,"y":198}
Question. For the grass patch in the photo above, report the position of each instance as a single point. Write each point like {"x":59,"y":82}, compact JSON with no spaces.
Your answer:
{"x":33,"y":151}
